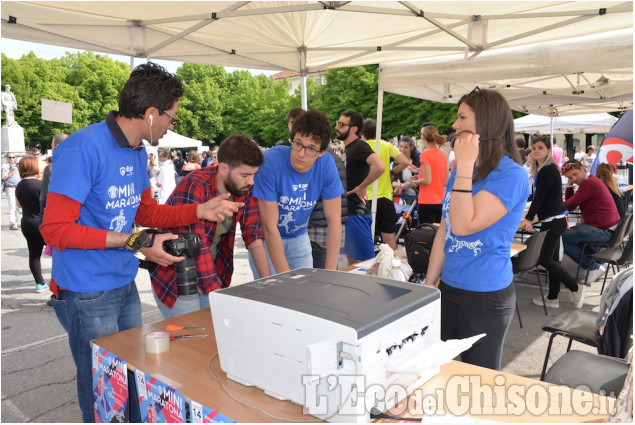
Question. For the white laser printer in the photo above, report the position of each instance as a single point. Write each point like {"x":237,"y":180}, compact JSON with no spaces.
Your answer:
{"x":337,"y":343}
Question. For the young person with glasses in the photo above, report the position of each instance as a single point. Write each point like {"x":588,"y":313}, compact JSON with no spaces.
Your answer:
{"x":10,"y":179}
{"x":483,"y":204}
{"x":547,"y":204}
{"x":288,"y":186}
{"x":90,"y":213}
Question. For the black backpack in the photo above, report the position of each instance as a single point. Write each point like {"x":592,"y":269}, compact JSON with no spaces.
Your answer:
{"x":419,"y":245}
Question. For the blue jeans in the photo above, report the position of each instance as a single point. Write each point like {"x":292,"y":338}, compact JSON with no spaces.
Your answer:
{"x":184,"y":304}
{"x":90,"y":315}
{"x":572,"y":241}
{"x":298,"y":253}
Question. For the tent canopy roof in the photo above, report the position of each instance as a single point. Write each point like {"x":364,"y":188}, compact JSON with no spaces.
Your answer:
{"x":304,"y":35}
{"x":173,"y":140}
{"x":570,"y":124}
{"x":583,"y":74}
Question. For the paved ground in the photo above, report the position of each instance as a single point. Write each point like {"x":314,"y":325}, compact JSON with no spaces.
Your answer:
{"x":38,"y":374}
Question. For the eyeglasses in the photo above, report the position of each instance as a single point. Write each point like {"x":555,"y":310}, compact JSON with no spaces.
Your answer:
{"x":568,"y":166}
{"x":174,"y":120}
{"x":341,"y":124}
{"x":476,"y":91}
{"x":11,"y":157}
{"x":297,"y":146}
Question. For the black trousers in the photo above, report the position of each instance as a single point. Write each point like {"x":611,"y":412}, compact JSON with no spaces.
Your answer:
{"x":468,"y":313}
{"x":549,"y":258}
{"x":35,"y":243}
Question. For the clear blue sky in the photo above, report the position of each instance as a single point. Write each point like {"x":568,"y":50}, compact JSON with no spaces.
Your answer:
{"x":16,"y":48}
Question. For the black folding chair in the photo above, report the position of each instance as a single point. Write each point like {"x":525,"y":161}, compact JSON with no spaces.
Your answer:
{"x":615,"y":257}
{"x":622,"y":229}
{"x":529,"y":260}
{"x":581,"y":326}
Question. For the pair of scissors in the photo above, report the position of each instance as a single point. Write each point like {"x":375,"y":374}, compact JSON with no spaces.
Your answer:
{"x":171,"y":328}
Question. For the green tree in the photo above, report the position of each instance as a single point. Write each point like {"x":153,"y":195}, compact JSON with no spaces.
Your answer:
{"x":201,"y":109}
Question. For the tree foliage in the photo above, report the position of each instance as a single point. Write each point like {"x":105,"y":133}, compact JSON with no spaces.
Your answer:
{"x":216,"y":103}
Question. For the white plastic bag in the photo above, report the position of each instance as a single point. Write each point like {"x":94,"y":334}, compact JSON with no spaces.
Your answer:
{"x":383,"y":263}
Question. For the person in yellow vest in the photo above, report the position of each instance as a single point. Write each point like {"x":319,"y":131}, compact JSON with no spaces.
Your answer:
{"x":386,"y":218}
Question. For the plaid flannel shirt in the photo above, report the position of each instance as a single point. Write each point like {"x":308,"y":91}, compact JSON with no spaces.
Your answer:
{"x":198,"y":187}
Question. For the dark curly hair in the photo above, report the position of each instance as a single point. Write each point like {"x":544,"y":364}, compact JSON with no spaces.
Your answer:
{"x":239,"y":149}
{"x":313,"y":123}
{"x":149,"y":85}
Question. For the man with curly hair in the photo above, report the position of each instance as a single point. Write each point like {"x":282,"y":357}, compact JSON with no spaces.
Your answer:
{"x":289,"y":184}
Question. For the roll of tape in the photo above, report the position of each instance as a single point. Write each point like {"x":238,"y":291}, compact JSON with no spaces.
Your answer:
{"x":157,"y":342}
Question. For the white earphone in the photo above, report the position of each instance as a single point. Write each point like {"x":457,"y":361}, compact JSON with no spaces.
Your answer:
{"x":151,"y":119}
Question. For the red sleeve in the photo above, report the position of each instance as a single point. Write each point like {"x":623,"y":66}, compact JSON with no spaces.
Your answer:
{"x":151,"y":214}
{"x":60,"y":229}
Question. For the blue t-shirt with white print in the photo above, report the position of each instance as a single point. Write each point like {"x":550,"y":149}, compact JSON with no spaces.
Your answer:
{"x":295,"y":193}
{"x":481,"y":262}
{"x":108,"y":180}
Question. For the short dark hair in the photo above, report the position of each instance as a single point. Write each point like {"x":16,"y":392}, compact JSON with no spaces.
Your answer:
{"x":149,"y":85}
{"x":369,"y":129}
{"x":294,"y":113}
{"x":520,"y":142}
{"x":239,"y":149}
{"x":356,"y":120}
{"x":313,"y":123}
{"x":28,"y":167}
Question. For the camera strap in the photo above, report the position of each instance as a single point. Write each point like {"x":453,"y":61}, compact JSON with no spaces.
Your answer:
{"x":148,"y":265}
{"x":142,"y":239}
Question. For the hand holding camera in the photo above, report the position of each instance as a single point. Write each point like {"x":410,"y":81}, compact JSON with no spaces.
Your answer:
{"x":156,"y":253}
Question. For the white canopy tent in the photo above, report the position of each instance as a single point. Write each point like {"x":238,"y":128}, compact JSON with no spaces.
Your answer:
{"x":304,"y":36}
{"x":570,"y":124}
{"x":173,"y":140}
{"x":583,"y":74}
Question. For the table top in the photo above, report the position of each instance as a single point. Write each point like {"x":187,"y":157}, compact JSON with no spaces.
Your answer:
{"x":184,"y":367}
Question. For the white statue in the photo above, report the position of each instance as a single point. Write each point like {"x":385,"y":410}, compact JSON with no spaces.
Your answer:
{"x":9,"y":104}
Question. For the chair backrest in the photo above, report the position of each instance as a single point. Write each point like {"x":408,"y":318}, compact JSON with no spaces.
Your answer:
{"x":530,"y":257}
{"x":627,"y":253}
{"x":622,"y":229}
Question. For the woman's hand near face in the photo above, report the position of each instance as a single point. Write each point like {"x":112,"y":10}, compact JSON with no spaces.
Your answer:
{"x":466,"y":147}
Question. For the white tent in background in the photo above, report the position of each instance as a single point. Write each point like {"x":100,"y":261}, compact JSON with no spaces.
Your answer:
{"x":592,"y":73}
{"x":569,"y":124}
{"x":175,"y":141}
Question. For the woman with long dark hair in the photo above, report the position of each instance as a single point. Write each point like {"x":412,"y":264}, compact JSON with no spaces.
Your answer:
{"x":547,"y":204}
{"x":483,"y":204}
{"x":27,"y":194}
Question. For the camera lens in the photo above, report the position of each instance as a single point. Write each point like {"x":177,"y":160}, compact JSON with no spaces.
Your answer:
{"x":186,"y":279}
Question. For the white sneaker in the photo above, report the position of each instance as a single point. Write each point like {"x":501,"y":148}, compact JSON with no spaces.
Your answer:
{"x":593,"y":275}
{"x":577,"y":298}
{"x":548,"y":303}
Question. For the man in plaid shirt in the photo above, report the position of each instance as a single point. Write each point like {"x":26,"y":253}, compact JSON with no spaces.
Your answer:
{"x":238,"y":161}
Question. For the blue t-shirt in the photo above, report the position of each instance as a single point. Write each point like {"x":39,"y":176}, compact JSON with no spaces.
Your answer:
{"x":92,"y":169}
{"x":296,"y":193}
{"x":481,"y":262}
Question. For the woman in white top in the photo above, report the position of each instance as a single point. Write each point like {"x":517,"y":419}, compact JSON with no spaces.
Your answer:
{"x":589,"y":157}
{"x":166,"y":178}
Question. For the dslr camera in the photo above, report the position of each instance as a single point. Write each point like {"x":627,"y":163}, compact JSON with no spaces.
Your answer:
{"x":187,"y":245}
